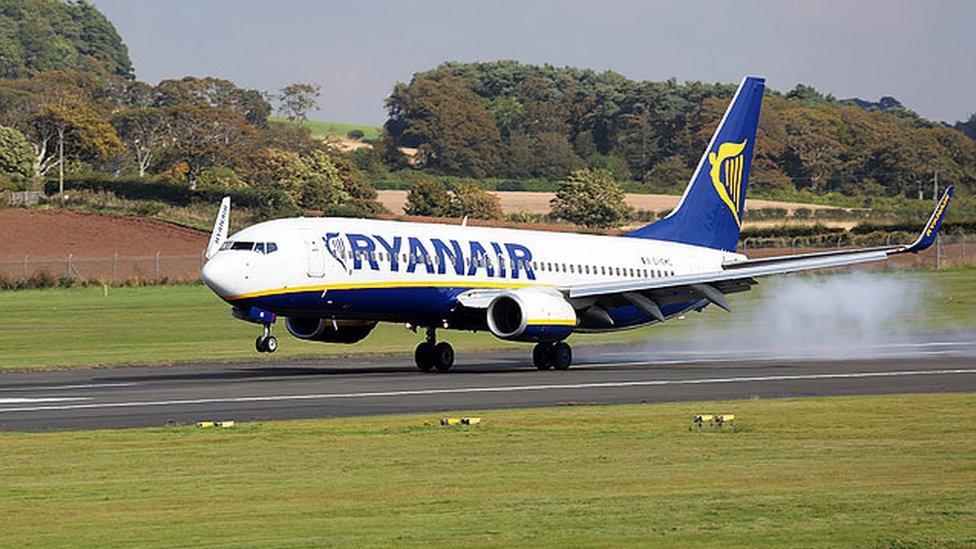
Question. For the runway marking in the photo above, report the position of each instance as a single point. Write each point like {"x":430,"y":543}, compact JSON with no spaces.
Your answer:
{"x":67,"y":387}
{"x":515,"y":388}
{"x":33,"y":400}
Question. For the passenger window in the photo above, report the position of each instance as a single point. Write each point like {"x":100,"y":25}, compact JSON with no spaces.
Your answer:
{"x":259,"y":247}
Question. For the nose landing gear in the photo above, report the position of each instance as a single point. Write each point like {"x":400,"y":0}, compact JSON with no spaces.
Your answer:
{"x":431,"y":355}
{"x":266,"y":343}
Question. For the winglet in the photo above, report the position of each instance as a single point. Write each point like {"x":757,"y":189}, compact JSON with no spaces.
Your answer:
{"x":931,"y":230}
{"x":219,"y":234}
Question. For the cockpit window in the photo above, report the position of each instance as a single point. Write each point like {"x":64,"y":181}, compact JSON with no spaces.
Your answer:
{"x":260,"y":247}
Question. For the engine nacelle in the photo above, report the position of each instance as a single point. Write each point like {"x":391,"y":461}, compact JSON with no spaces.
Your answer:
{"x":327,"y":330}
{"x":531,"y":314}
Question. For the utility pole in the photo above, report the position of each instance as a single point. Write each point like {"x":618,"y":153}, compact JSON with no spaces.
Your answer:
{"x":938,"y":238}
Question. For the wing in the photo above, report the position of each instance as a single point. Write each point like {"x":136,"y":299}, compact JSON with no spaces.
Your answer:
{"x":740,"y":275}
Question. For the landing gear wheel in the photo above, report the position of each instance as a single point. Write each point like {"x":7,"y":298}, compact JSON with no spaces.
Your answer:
{"x":422,"y":356}
{"x":540,"y":355}
{"x":266,"y":344}
{"x":560,"y":355}
{"x":442,"y":356}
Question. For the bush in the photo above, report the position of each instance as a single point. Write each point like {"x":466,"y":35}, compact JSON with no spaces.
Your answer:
{"x":590,"y":198}
{"x":475,"y":202}
{"x":269,"y":201}
{"x":356,"y":134}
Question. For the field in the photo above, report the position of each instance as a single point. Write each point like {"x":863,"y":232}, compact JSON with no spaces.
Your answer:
{"x":163,"y":324}
{"x":56,"y":233}
{"x":322,"y":128}
{"x":862,"y":471}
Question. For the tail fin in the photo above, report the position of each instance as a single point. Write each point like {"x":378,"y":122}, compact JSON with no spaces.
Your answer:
{"x":710,"y":211}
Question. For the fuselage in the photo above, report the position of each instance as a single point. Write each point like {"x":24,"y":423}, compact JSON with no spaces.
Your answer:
{"x":413,"y":272}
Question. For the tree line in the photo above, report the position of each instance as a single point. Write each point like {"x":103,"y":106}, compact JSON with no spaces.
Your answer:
{"x":514,"y":120}
{"x":201,"y":131}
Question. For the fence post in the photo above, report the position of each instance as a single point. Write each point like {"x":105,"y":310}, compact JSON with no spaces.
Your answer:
{"x":70,"y":259}
{"x":157,"y":265}
{"x":793,"y":244}
{"x":963,"y":234}
{"x":745,"y":245}
{"x":115,"y":267}
{"x":839,"y":239}
{"x":26,"y":258}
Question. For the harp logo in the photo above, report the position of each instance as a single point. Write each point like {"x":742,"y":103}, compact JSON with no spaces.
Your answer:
{"x":336,"y":245}
{"x":726,"y":174}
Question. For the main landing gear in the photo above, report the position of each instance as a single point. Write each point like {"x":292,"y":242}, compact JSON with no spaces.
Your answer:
{"x":431,"y":355}
{"x":557,"y":355}
{"x":266,"y":343}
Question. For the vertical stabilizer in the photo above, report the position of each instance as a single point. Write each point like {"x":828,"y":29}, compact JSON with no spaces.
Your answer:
{"x":710,"y":211}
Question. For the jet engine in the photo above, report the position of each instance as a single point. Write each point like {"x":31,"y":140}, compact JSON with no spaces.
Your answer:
{"x":328,"y":330}
{"x":531,"y":314}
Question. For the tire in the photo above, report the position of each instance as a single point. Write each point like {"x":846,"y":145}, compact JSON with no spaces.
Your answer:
{"x":422,"y":357}
{"x":259,"y":344}
{"x":561,"y":355}
{"x":271,"y":344}
{"x":443,"y":356}
{"x":540,"y":356}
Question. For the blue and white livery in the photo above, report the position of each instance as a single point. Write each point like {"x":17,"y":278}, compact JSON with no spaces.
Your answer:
{"x":334,"y":279}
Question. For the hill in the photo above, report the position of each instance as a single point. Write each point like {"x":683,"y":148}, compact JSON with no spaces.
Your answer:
{"x":324,"y":128}
{"x":44,"y":35}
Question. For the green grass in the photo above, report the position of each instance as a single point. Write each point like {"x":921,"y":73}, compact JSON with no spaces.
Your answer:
{"x":162,"y":324}
{"x":323,"y":128}
{"x":863,"y":471}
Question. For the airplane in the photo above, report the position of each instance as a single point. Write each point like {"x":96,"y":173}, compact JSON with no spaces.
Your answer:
{"x":334,"y":279}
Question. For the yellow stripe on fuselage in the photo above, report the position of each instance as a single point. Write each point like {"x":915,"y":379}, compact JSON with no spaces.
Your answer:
{"x":551,"y":322}
{"x":388,"y":285}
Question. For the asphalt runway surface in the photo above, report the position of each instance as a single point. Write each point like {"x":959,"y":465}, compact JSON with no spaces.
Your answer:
{"x":262,"y":390}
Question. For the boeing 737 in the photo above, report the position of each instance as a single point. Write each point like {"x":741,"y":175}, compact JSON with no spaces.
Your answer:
{"x":334,"y":279}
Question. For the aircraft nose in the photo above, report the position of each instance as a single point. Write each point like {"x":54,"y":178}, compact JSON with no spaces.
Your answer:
{"x":218,"y":275}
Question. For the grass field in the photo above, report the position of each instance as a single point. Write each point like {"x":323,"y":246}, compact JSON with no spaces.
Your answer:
{"x":866,"y":471}
{"x":323,"y":128}
{"x":162,"y":324}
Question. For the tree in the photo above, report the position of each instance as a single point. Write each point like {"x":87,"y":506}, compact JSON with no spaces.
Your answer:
{"x":297,"y":99}
{"x":472,"y":201}
{"x":204,"y":137}
{"x":429,"y":197}
{"x":670,"y":173}
{"x":78,"y":131}
{"x":445,"y":121}
{"x":968,"y":127}
{"x":216,"y":93}
{"x":144,"y":131}
{"x":16,"y":156}
{"x":55,"y":35}
{"x":590,"y":198}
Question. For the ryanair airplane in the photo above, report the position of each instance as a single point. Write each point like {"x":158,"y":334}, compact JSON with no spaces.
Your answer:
{"x":334,"y":279}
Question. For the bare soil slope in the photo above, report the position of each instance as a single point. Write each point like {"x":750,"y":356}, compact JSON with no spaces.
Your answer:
{"x":56,"y":233}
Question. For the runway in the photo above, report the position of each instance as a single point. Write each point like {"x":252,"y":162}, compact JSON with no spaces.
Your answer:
{"x":263,"y":390}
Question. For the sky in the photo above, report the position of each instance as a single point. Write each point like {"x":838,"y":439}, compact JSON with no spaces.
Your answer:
{"x":917,"y":51}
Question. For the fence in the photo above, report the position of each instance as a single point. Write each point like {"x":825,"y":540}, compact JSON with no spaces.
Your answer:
{"x":951,"y":250}
{"x":113,"y":268}
{"x":954,"y":249}
{"x":23,"y":198}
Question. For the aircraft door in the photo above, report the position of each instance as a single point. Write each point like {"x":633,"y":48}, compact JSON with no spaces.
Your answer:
{"x":316,"y":253}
